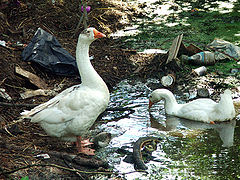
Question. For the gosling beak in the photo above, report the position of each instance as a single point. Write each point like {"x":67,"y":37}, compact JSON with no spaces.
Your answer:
{"x":150,"y":104}
{"x":98,"y":34}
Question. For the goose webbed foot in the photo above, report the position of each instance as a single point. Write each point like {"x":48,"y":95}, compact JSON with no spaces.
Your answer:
{"x":86,"y":142}
{"x":81,"y":146}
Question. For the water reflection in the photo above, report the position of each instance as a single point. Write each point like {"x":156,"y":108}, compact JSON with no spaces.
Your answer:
{"x":225,"y":129}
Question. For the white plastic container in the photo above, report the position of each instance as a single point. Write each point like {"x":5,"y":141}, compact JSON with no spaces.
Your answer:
{"x":200,"y":71}
{"x":168,"y":80}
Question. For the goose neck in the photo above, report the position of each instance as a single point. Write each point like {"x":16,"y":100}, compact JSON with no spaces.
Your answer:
{"x":89,"y":76}
{"x":170,"y":101}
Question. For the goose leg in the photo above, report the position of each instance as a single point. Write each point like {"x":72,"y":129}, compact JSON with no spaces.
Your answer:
{"x":81,"y":146}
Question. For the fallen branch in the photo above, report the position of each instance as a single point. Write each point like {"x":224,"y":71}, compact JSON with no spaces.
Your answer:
{"x":78,"y":160}
{"x":32,"y":78}
{"x":6,"y":173}
{"x":215,"y":49}
{"x":53,"y":165}
{"x":17,"y":105}
{"x":120,"y":109}
{"x":2,"y":81}
{"x":34,"y":105}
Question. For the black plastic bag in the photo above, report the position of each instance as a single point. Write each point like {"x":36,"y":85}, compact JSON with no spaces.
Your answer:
{"x":45,"y":50}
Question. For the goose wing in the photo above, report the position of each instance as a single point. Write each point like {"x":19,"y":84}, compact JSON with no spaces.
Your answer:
{"x":81,"y":103}
{"x":52,"y":102}
{"x":197,"y":110}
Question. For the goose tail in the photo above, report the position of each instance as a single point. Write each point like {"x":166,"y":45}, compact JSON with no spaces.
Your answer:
{"x":225,"y":104}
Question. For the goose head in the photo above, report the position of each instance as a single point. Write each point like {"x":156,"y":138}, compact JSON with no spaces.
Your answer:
{"x":161,"y":94}
{"x":90,"y":34}
{"x":154,"y":98}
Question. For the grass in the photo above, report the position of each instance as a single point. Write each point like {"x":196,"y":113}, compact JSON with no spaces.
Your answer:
{"x":203,"y":28}
{"x":199,"y":27}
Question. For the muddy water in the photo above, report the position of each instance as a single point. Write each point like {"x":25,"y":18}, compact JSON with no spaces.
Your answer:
{"x":188,"y":150}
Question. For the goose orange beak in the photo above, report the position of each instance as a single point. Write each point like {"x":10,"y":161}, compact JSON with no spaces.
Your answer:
{"x":98,"y":34}
{"x":150,"y":104}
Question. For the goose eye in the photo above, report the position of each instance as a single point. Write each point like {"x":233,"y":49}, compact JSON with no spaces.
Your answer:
{"x":86,"y":31}
{"x":150,"y":96}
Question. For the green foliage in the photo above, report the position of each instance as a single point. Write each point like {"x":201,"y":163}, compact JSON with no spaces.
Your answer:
{"x":25,"y":178}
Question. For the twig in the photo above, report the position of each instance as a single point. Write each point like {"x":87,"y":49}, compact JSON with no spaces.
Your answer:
{"x":117,"y":109}
{"x":34,"y":105}
{"x":69,"y":165}
{"x":52,"y":165}
{"x":61,"y":167}
{"x":85,"y":17}
{"x":5,"y":128}
{"x":21,"y":23}
{"x":98,"y":20}
{"x":2,"y":81}
{"x":27,"y":147}
{"x":14,"y":86}
{"x":214,"y":49}
{"x":78,"y":26}
{"x":105,"y":8}
{"x":120,"y":109}
{"x":14,"y":122}
{"x":17,"y":105}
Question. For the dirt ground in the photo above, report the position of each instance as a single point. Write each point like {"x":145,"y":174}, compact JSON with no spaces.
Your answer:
{"x":22,"y":142}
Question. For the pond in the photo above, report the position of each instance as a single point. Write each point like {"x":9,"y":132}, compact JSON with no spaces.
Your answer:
{"x":189,"y":149}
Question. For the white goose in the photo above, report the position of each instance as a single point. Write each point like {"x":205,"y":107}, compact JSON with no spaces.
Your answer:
{"x":203,"y":109}
{"x":71,"y":113}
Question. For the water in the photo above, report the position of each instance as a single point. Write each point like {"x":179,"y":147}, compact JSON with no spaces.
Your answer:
{"x":189,"y":149}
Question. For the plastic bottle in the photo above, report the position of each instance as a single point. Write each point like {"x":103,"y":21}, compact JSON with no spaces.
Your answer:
{"x":202,"y":58}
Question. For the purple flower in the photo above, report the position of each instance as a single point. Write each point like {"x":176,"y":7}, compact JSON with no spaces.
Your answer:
{"x":88,"y":8}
